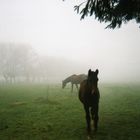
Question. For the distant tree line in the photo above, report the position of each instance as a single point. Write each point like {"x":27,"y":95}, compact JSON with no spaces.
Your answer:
{"x":19,"y":62}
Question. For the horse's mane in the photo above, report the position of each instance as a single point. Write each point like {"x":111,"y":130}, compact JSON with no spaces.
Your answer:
{"x":79,"y":76}
{"x":69,"y":77}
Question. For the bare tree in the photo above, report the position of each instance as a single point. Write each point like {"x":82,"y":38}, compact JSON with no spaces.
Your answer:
{"x":15,"y":60}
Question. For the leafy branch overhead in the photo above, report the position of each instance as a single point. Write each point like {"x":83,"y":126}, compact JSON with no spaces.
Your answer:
{"x":115,"y":12}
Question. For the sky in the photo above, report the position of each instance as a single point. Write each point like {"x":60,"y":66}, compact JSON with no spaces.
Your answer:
{"x":54,"y":29}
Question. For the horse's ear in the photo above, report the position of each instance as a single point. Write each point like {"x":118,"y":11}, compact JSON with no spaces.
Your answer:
{"x":97,"y":71}
{"x":89,"y":71}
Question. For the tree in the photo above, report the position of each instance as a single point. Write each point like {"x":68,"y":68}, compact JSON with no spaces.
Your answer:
{"x":15,"y":61}
{"x":115,"y":12}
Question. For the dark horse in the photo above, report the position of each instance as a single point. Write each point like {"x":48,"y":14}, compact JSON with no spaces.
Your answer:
{"x":74,"y":79}
{"x":89,"y":95}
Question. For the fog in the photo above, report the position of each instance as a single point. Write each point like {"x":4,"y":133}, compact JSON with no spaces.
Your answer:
{"x":56,"y":43}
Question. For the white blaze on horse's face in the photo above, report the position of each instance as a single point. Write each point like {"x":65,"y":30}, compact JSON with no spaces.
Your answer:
{"x":94,"y":89}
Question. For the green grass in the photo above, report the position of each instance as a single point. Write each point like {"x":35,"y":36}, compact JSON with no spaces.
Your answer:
{"x":47,"y":112}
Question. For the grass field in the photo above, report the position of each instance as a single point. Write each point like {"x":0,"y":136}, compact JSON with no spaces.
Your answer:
{"x":47,"y":112}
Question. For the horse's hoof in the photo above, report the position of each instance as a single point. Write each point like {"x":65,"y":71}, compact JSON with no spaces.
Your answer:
{"x":88,"y":137}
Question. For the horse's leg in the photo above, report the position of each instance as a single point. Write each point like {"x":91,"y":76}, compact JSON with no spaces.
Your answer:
{"x":71,"y":87}
{"x":92,"y":113}
{"x":87,"y":118}
{"x":95,"y":117}
{"x":76,"y":86}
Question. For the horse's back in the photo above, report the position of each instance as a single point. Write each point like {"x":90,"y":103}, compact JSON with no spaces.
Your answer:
{"x":82,"y":77}
{"x":77,"y":79}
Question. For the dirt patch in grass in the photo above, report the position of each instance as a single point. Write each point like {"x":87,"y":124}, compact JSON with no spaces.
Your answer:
{"x":18,"y":103}
{"x":45,"y":101}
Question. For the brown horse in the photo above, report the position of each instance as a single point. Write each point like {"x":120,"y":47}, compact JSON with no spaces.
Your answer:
{"x":74,"y":80}
{"x":89,"y":95}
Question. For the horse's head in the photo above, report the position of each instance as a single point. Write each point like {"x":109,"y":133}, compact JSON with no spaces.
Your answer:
{"x":63,"y":84}
{"x":93,"y":80}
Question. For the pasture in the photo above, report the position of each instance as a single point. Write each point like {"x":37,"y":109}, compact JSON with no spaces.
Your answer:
{"x":48,"y":112}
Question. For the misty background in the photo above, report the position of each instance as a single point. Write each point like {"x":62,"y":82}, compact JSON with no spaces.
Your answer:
{"x":47,"y":41}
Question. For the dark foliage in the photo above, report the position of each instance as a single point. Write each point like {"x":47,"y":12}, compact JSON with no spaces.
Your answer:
{"x":115,"y":12}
